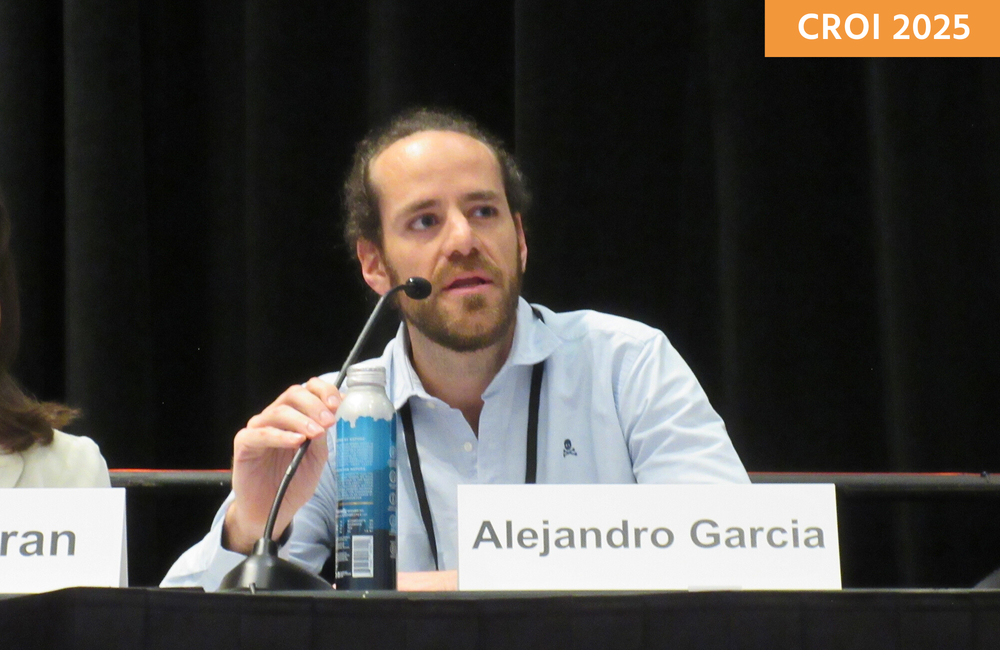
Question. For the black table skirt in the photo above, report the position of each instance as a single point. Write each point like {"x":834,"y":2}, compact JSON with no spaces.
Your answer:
{"x":150,"y":619}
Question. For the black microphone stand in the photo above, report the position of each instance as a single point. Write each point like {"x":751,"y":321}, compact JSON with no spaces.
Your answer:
{"x":263,"y":570}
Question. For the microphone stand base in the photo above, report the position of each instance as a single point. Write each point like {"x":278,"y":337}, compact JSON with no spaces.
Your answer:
{"x":263,"y":570}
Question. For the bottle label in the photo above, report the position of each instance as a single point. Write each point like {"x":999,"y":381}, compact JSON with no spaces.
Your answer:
{"x":366,"y":505}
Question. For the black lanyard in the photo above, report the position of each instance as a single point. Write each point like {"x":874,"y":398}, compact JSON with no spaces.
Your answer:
{"x":531,"y":452}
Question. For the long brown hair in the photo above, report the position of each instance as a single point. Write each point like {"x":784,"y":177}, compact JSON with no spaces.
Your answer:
{"x":23,"y":421}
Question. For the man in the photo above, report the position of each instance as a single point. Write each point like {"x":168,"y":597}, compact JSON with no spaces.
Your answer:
{"x":434,"y":196}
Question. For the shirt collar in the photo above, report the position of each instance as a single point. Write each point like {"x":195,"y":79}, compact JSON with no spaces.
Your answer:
{"x":534,"y":341}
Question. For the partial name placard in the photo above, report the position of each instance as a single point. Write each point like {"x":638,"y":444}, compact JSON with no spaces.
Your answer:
{"x":53,"y":538}
{"x":647,"y":537}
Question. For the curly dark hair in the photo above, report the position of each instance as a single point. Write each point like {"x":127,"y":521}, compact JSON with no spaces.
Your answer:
{"x":361,"y":215}
{"x":23,"y":420}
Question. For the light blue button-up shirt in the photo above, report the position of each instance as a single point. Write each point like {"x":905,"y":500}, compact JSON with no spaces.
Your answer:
{"x":618,"y":405}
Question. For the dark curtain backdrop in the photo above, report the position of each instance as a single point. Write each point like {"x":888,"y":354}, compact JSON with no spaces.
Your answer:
{"x":819,"y":238}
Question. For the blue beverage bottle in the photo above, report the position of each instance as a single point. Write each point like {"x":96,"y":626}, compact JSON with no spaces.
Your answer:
{"x":366,"y":483}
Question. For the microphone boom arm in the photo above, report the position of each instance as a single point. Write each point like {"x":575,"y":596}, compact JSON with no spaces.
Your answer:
{"x":416,"y":288}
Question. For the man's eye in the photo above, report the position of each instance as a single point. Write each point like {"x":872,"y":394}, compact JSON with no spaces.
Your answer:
{"x":423,"y":222}
{"x":485,"y":211}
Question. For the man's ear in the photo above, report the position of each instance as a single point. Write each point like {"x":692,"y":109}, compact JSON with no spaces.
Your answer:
{"x":522,"y":242}
{"x":373,"y":267}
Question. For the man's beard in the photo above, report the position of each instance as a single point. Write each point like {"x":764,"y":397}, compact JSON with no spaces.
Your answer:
{"x":449,"y":330}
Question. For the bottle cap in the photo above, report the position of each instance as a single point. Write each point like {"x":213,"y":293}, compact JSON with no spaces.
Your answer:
{"x":366,"y":375}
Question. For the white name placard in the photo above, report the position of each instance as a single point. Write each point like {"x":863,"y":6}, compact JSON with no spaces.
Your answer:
{"x":647,"y":537}
{"x":52,"y":538}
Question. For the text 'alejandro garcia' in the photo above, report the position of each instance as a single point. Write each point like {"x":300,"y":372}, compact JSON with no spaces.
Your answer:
{"x":704,"y":533}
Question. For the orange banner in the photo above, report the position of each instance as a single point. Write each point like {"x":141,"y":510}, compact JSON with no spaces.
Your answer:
{"x":883,"y":28}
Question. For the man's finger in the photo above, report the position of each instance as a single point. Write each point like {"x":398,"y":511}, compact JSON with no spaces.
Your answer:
{"x":308,"y":402}
{"x":289,"y":418}
{"x":254,"y":438}
{"x":326,"y":392}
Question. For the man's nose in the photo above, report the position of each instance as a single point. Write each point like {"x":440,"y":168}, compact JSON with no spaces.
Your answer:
{"x":460,"y":239}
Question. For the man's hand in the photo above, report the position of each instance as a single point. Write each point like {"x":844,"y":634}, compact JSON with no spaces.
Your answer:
{"x":427,"y":581}
{"x":262,"y":452}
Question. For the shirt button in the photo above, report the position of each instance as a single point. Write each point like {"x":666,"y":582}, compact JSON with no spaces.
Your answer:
{"x":431,"y":405}
{"x":467,"y":446}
